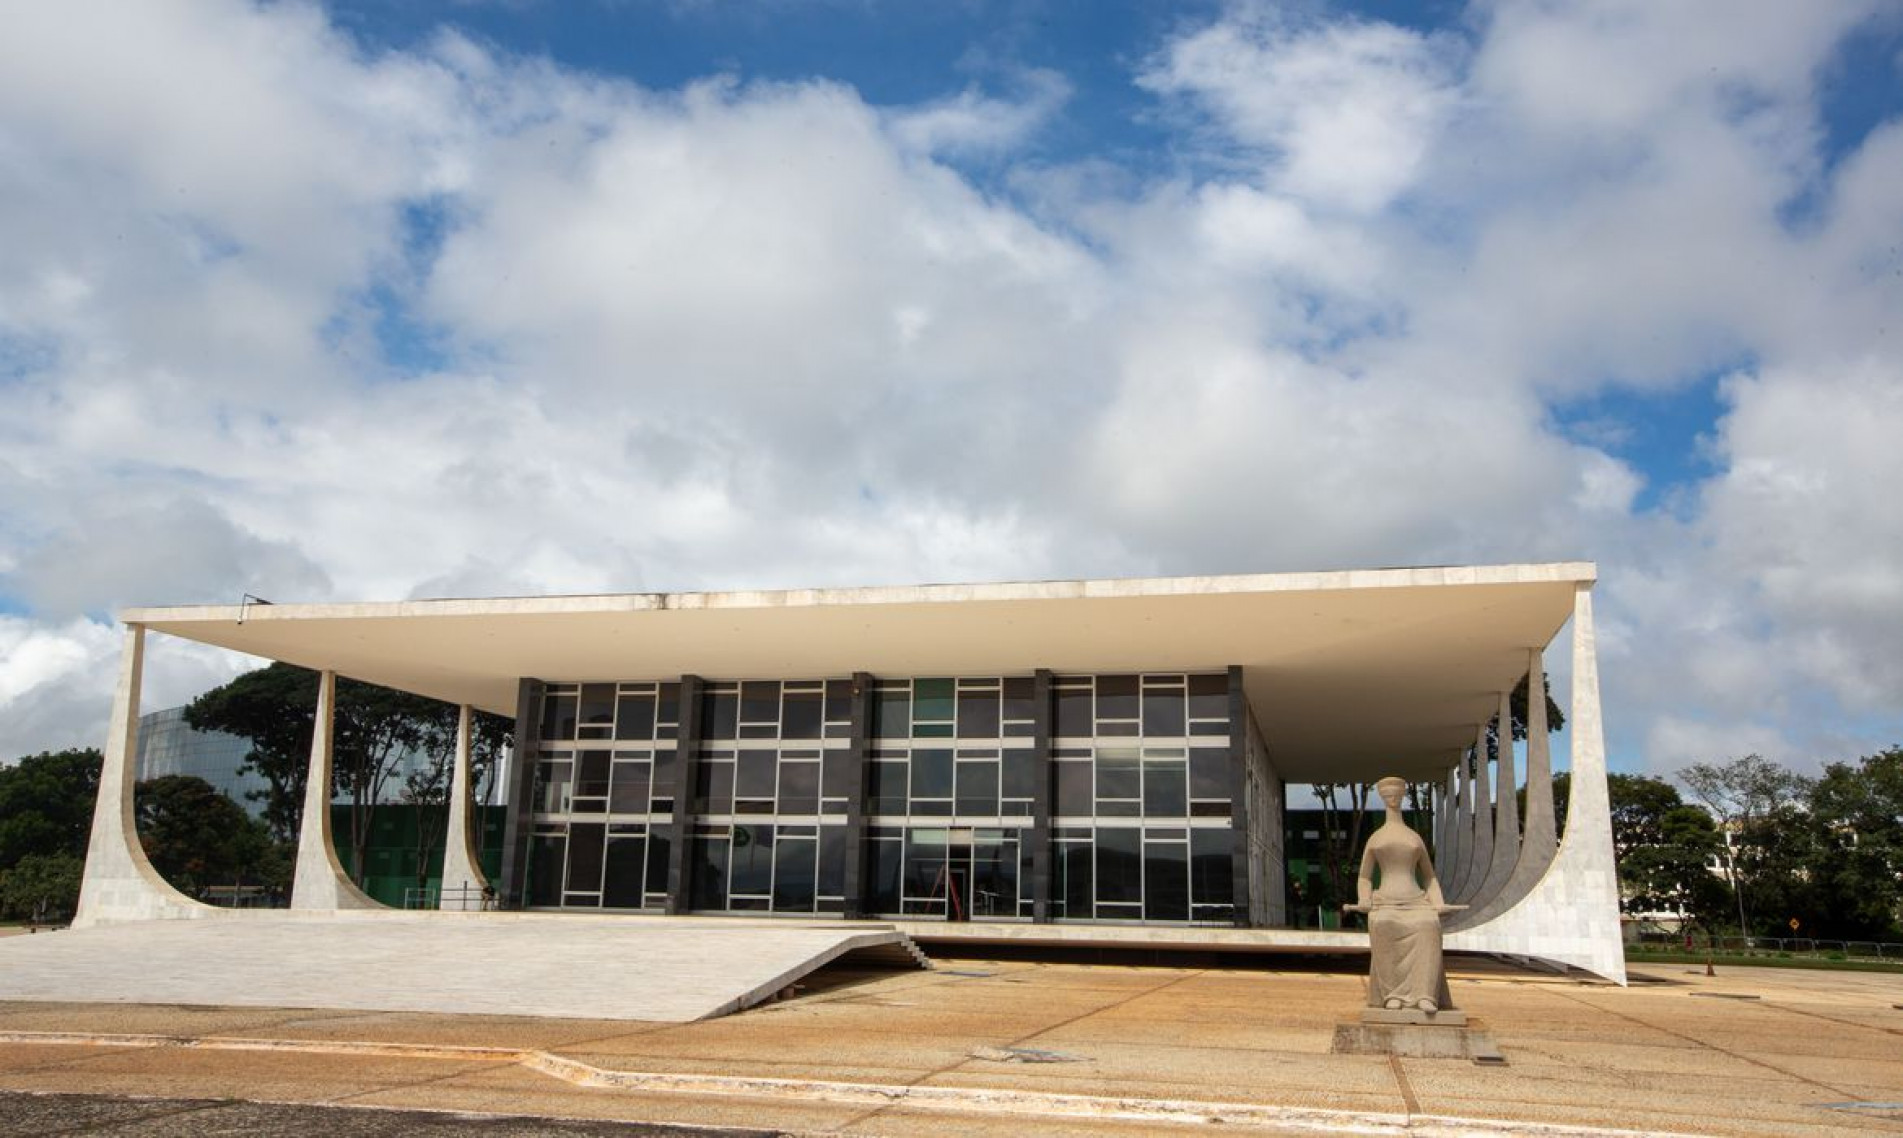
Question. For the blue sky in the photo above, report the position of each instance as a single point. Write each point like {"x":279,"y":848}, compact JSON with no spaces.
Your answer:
{"x":375,"y":299}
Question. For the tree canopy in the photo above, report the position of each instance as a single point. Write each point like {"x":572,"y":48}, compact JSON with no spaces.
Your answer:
{"x":373,"y":729}
{"x":197,"y":837}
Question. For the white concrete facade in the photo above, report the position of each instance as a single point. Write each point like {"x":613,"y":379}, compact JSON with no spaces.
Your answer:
{"x":1434,"y":649}
{"x":119,"y":883}
{"x":320,"y":881}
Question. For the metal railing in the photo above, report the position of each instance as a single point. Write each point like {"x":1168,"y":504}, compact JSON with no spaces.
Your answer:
{"x":1811,"y":946}
{"x":461,"y":897}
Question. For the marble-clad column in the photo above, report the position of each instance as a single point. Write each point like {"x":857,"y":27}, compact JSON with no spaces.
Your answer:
{"x":1538,"y":841}
{"x":320,"y":881}
{"x":463,"y":882}
{"x":1571,"y":912}
{"x":1481,"y":863}
{"x":1463,"y":830}
{"x":119,"y":883}
{"x":1506,"y":808}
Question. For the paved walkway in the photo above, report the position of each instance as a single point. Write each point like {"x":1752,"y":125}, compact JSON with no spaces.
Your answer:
{"x":652,"y":969}
{"x":1128,"y":1051}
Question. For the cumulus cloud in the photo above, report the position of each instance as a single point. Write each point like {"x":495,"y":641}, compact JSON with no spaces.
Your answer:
{"x":286,"y":314}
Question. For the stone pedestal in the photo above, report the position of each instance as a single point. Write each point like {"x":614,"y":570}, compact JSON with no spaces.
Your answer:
{"x":1446,"y":1017}
{"x":1416,"y":1035}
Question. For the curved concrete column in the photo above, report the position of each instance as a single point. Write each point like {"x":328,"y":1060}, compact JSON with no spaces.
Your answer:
{"x":1446,"y":852}
{"x":463,"y":879}
{"x":1482,"y":861}
{"x":1539,"y":843}
{"x":1572,"y":913}
{"x":1506,"y":809}
{"x":321,"y":882}
{"x":119,"y":883}
{"x":1463,"y":831}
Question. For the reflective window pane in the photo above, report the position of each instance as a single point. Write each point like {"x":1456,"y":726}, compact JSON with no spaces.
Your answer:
{"x":1119,"y":773}
{"x":1119,"y":864}
{"x":892,"y":718}
{"x":710,"y":872}
{"x":1163,"y":713}
{"x":978,"y":788}
{"x":799,"y":787}
{"x":1166,"y":881}
{"x":832,"y":861}
{"x":1074,"y":793}
{"x":794,"y":868}
{"x":584,"y":856}
{"x":548,"y":860}
{"x":978,"y":716}
{"x":755,"y":774}
{"x":1116,"y":697}
{"x":1075,"y":717}
{"x":752,"y":868}
{"x":1212,"y":880}
{"x":760,"y":701}
{"x":882,"y":892}
{"x":931,"y":772}
{"x":932,"y":700}
{"x":1209,"y":697}
{"x":804,"y":715}
{"x":1209,"y":772}
{"x":598,"y":704}
{"x":720,"y":715}
{"x":634,"y":717}
{"x":622,"y":887}
{"x":1165,"y":790}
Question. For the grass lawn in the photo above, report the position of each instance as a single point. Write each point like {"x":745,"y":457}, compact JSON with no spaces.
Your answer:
{"x":1822,"y":961}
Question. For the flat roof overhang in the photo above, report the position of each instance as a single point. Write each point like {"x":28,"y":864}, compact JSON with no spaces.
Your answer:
{"x":1352,"y":675}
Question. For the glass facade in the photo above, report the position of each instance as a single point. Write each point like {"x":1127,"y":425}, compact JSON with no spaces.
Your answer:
{"x":1142,"y":825}
{"x":606,"y":774}
{"x":1127,"y":779}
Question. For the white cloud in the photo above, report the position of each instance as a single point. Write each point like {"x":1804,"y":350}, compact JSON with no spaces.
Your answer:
{"x":772,"y":335}
{"x":1341,"y":113}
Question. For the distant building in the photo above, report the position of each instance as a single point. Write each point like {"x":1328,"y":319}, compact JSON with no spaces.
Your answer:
{"x":168,"y":745}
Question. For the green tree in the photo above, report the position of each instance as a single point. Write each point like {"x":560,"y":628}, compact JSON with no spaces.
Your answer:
{"x":372,"y":729}
{"x":1664,"y":847}
{"x":1753,"y":800}
{"x":46,"y":804}
{"x":1855,"y":865}
{"x":274,"y":708}
{"x":41,"y":887}
{"x":196,"y":837}
{"x":427,"y":786}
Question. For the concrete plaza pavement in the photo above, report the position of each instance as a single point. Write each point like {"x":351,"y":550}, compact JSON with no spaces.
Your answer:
{"x":1130,"y":1050}
{"x":542,"y":964}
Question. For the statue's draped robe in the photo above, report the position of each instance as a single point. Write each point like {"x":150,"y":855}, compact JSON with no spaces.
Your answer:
{"x":1403,"y":925}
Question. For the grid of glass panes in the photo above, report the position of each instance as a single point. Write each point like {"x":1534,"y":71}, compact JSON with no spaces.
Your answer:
{"x":605,"y":780}
{"x":952,"y":783}
{"x":770,"y":801}
{"x":1141,"y":826}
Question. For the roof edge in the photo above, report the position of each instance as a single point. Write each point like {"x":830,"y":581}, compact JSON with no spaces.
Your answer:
{"x":1574,"y":572}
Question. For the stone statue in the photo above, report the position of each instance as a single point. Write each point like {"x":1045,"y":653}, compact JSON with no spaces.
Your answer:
{"x":1404,"y":911}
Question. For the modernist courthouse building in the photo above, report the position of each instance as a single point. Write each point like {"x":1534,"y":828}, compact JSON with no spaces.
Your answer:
{"x":1060,"y":755}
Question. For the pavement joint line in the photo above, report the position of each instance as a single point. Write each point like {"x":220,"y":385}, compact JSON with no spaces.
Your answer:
{"x":189,"y":1106}
{"x":1407,"y":1092}
{"x":877,"y":1096}
{"x":1738,"y":1055}
{"x":1832,"y":1019}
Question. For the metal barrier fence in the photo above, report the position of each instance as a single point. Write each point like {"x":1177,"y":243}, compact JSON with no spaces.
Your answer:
{"x":1810,"y":946}
{"x":463,"y":897}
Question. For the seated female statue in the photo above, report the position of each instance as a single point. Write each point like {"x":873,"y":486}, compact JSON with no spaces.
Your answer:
{"x":1404,"y":908}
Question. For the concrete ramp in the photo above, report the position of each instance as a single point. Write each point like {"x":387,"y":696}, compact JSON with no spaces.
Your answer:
{"x":667,"y":969}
